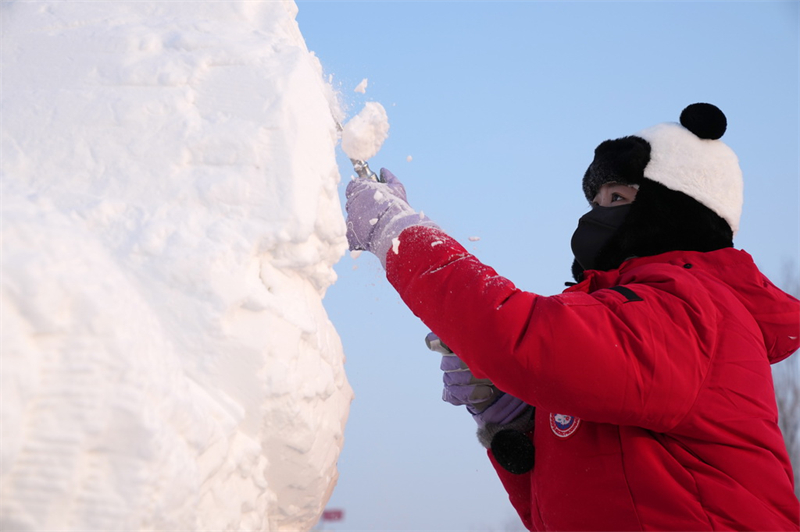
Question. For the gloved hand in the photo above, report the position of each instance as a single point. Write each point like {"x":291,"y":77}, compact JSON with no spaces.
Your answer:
{"x":486,"y":403}
{"x":377,"y":213}
{"x":503,"y":420}
{"x":460,"y":385}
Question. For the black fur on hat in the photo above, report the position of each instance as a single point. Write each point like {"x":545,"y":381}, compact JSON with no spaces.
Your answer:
{"x":616,"y":161}
{"x":660,"y":219}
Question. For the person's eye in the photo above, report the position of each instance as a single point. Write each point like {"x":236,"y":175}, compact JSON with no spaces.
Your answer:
{"x":617,"y":197}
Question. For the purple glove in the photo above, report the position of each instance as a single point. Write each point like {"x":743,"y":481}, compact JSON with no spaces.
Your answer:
{"x":487,"y":404}
{"x":460,"y":385}
{"x":377,"y":213}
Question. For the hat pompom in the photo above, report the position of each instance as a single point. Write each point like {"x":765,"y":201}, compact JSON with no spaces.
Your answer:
{"x":705,"y":120}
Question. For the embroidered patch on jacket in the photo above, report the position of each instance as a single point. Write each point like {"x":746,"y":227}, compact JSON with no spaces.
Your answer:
{"x":563,"y":425}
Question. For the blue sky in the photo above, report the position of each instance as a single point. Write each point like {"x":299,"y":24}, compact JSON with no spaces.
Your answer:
{"x":500,"y":105}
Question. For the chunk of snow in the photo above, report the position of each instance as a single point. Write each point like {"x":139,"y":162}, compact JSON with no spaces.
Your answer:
{"x":474,"y":238}
{"x":361,"y":87}
{"x":364,"y":134}
{"x":409,"y":159}
{"x":170,"y":223}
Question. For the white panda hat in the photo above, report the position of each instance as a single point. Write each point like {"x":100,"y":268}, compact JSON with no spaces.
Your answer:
{"x":690,"y":158}
{"x":687,"y":157}
{"x":690,"y":187}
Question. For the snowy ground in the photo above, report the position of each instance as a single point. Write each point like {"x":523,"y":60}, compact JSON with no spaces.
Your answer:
{"x":170,"y":220}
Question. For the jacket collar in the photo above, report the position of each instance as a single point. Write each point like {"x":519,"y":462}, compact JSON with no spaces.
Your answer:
{"x":726,"y":257}
{"x":776,"y":312}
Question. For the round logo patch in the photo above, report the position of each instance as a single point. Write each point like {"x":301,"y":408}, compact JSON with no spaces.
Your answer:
{"x":563,"y":425}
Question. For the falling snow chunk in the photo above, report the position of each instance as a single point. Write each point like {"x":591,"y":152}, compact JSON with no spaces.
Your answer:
{"x":364,"y":134}
{"x":354,"y":254}
{"x":396,"y":245}
{"x":361,"y":87}
{"x":474,"y":238}
{"x":409,"y":159}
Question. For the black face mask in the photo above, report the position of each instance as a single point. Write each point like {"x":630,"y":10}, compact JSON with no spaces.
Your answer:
{"x":595,"y":229}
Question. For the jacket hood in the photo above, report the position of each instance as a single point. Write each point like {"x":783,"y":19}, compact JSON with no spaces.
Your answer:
{"x":776,"y":312}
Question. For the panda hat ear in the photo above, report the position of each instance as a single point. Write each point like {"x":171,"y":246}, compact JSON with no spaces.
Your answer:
{"x":704,"y":120}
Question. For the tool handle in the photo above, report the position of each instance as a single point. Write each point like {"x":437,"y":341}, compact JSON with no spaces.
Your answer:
{"x":434,"y":343}
{"x":364,"y":171}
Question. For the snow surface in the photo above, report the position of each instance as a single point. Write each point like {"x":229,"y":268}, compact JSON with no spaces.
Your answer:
{"x":364,"y":134}
{"x":170,"y":220}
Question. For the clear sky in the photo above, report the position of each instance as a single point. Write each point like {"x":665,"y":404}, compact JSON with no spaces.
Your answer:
{"x":500,"y":106}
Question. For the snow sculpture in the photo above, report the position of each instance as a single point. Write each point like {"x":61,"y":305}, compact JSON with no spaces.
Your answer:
{"x":170,"y":220}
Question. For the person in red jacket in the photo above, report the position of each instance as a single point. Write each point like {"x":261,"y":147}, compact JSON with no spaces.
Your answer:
{"x":640,"y":398}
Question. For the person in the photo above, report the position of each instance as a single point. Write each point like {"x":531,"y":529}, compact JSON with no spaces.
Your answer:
{"x":641,"y":397}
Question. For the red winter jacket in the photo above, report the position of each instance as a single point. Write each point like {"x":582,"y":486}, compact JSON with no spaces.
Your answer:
{"x":655,"y":408}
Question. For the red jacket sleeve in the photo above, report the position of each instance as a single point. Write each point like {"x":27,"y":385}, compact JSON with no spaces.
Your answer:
{"x":597,"y":356}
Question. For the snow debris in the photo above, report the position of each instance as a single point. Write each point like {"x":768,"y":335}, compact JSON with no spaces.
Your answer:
{"x":170,"y":223}
{"x":364,"y":134}
{"x":396,"y":245}
{"x":409,"y":159}
{"x":361,"y":87}
{"x":474,"y":238}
